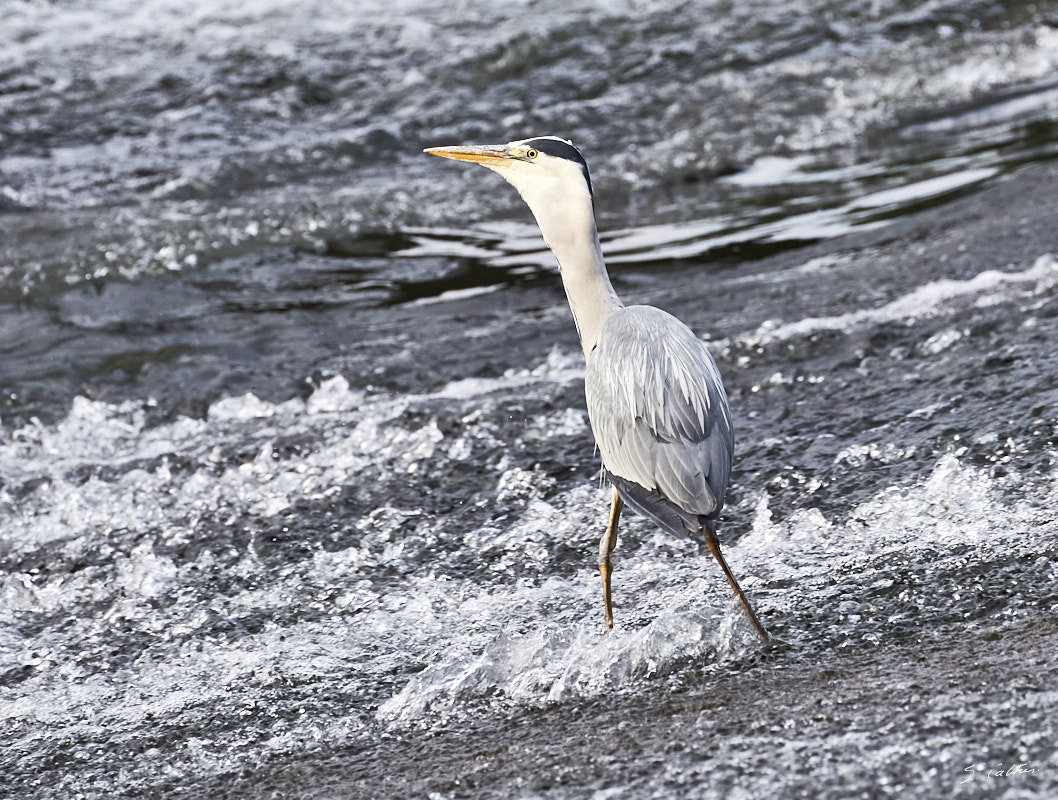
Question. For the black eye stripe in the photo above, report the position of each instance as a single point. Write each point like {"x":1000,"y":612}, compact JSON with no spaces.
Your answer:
{"x":560,"y":149}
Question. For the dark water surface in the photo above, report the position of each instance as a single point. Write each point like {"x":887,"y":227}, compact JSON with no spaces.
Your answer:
{"x":297,"y":492}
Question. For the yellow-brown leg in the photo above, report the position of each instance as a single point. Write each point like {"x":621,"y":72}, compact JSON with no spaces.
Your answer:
{"x":714,"y":547}
{"x":606,"y":545}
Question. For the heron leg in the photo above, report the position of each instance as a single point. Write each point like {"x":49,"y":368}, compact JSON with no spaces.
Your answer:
{"x":606,"y":545}
{"x":714,"y":547}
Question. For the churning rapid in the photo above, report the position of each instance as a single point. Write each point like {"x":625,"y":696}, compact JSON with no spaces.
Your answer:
{"x":298,"y":496}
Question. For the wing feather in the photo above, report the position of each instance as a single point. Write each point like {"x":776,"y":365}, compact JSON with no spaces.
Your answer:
{"x":659,"y":412}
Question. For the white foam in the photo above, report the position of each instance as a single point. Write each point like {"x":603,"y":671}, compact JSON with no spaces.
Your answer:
{"x":986,"y":288}
{"x":674,"y":608}
{"x":559,"y":367}
{"x":556,"y":662}
{"x":334,"y":396}
{"x":955,"y":505}
{"x":941,"y":341}
{"x":861,"y":99}
{"x":484,"y":635}
{"x":863,"y":454}
{"x":348,"y":431}
{"x":246,"y":407}
{"x":144,"y":573}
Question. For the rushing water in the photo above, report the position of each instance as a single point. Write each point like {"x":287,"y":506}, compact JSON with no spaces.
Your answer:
{"x":297,"y":492}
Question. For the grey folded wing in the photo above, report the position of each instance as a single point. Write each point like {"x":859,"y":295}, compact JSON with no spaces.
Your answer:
{"x":660,"y":416}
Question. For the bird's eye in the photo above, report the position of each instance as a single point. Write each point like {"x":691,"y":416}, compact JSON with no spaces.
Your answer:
{"x":530,"y":153}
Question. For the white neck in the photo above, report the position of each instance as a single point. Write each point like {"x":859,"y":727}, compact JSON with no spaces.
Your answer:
{"x":591,"y":296}
{"x":567,"y":222}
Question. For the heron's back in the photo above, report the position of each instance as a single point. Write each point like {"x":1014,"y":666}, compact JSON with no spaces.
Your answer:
{"x":660,"y":416}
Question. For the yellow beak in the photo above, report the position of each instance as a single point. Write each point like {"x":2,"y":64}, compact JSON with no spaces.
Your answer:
{"x":480,"y":154}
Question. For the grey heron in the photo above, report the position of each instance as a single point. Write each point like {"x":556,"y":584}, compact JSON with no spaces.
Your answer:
{"x":655,"y":399}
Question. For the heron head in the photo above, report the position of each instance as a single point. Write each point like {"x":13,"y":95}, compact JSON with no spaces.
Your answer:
{"x":551,"y":176}
{"x":543,"y":169}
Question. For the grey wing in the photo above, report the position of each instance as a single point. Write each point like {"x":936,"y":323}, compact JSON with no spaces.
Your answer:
{"x":660,"y":416}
